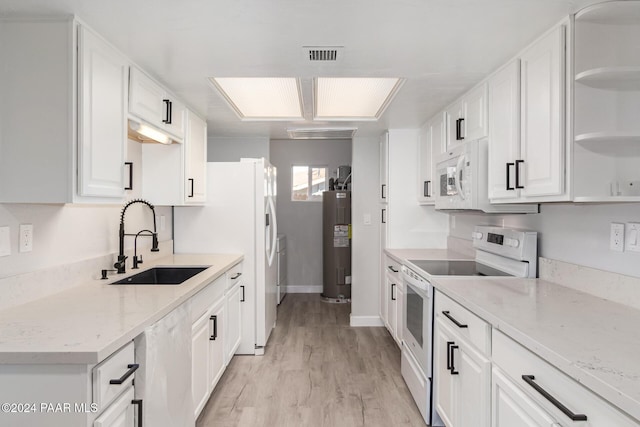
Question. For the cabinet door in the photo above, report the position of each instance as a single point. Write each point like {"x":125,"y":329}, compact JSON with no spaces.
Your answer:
{"x":438,"y":135}
{"x":200,"y":333}
{"x":504,"y":131}
{"x":392,"y":289}
{"x":473,"y":390}
{"x":146,"y":98}
{"x":195,"y":160}
{"x":454,"y":126}
{"x":234,"y":319}
{"x":120,"y":413}
{"x":217,"y":321}
{"x":176,"y":116}
{"x":474,"y":112}
{"x":541,"y":166}
{"x":102,"y":95}
{"x":384,"y":167}
{"x":444,"y":380}
{"x":425,"y":165}
{"x":511,"y":407}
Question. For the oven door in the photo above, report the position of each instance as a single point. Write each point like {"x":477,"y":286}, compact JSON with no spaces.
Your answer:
{"x":418,"y":324}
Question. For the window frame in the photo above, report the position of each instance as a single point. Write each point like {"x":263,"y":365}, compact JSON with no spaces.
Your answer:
{"x":310,"y":168}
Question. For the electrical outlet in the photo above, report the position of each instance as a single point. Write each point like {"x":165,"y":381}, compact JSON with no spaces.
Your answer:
{"x":366,"y":219}
{"x":5,"y":241}
{"x":616,"y":242}
{"x":26,"y":237}
{"x":632,"y":237}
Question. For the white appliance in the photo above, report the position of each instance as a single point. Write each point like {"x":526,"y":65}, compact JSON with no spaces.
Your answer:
{"x":499,"y":252}
{"x":463,"y":181}
{"x":240,"y":217}
{"x":281,"y":248}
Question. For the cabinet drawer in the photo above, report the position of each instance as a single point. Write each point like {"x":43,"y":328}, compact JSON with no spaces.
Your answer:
{"x":392,"y":266}
{"x":234,"y":275}
{"x":463,"y":322}
{"x":115,"y":367}
{"x":204,"y":299}
{"x":516,"y":361}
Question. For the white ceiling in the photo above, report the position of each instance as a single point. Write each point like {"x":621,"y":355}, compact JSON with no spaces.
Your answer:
{"x":441,"y":47}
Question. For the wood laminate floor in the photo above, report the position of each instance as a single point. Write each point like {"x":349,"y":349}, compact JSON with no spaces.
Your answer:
{"x":316,"y":371}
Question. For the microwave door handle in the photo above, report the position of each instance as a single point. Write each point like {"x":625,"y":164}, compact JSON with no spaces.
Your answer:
{"x":458,"y":179}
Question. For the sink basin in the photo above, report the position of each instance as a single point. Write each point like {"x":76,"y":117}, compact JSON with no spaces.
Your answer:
{"x":162,"y":276}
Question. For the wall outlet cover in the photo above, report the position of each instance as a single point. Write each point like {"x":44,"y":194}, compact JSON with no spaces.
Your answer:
{"x":616,"y":242}
{"x":26,"y":237}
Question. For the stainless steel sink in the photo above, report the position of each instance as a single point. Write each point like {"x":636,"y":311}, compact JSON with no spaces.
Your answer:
{"x":162,"y":276}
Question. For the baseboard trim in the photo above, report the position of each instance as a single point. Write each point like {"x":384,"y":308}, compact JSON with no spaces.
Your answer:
{"x":304,"y":289}
{"x":365,"y":321}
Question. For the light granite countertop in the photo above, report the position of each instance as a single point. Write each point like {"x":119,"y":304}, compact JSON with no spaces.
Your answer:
{"x":594,"y":341}
{"x":85,"y":324}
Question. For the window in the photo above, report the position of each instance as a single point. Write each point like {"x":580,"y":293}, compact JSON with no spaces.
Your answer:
{"x":308,"y":183}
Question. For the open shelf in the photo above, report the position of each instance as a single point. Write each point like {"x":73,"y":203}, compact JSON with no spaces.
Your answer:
{"x":611,"y":13}
{"x":617,"y":144}
{"x":612,"y":78}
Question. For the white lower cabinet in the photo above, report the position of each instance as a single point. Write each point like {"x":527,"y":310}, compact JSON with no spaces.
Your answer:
{"x":528,"y":391}
{"x":393,"y":294}
{"x":234,"y":316}
{"x":120,"y":414}
{"x":216,"y":344}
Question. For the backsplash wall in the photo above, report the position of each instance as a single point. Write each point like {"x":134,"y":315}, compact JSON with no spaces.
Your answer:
{"x":64,"y":234}
{"x":574,"y":233}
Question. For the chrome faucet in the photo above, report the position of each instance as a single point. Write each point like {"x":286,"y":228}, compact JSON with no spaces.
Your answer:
{"x":120,"y":264}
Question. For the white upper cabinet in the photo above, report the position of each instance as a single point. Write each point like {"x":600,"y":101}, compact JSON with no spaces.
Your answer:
{"x":540,"y":169}
{"x":467,"y":118}
{"x":504,"y":131}
{"x":152,"y":103}
{"x":195,"y":160}
{"x":62,"y":124}
{"x":102,"y":112}
{"x":607,"y":102}
{"x":384,"y":167}
{"x":425,"y":165}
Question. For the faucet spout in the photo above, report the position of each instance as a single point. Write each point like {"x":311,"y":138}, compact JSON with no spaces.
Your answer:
{"x":120,"y":264}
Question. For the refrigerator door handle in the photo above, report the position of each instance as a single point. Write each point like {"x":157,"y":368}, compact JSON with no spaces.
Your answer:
{"x":274,"y":224}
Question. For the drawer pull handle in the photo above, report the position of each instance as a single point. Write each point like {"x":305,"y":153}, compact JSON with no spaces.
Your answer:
{"x":529,"y":379}
{"x":453,"y":367}
{"x":393,"y":269}
{"x":215,"y":328}
{"x":458,"y":324}
{"x":236,"y":276}
{"x":132,"y":368}
{"x":140,"y":412}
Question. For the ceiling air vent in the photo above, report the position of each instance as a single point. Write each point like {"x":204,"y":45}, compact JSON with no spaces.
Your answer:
{"x":323,"y":53}
{"x":322,"y":133}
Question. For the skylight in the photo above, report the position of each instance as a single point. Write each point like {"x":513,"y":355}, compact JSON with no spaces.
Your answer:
{"x":353,"y":98}
{"x":262,"y":98}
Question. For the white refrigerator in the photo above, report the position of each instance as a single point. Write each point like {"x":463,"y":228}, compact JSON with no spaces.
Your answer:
{"x":239,"y":217}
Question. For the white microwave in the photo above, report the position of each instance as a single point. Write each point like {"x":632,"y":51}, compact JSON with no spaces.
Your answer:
{"x":462,"y":177}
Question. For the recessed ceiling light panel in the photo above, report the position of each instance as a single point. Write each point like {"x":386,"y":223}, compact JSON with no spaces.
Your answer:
{"x":262,"y":98}
{"x":353,"y":98}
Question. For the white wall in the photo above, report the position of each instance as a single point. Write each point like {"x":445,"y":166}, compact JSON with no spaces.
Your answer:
{"x":574,"y":233}
{"x":301,"y":222}
{"x":232,"y":149}
{"x":365,"y":249}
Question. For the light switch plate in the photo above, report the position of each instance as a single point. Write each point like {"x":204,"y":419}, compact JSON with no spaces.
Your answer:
{"x":632,"y":237}
{"x":366,"y":219}
{"x":5,"y":241}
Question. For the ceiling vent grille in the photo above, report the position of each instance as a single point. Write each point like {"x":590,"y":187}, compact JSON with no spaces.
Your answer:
{"x":322,"y":133}
{"x":323,"y":53}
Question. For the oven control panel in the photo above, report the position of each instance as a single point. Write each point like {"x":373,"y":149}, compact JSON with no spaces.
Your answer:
{"x":511,"y":243}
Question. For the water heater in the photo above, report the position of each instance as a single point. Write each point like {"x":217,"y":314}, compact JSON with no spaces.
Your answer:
{"x":336,"y":245}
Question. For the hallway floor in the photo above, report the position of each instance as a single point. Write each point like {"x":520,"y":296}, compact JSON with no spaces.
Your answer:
{"x":316,"y":371}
